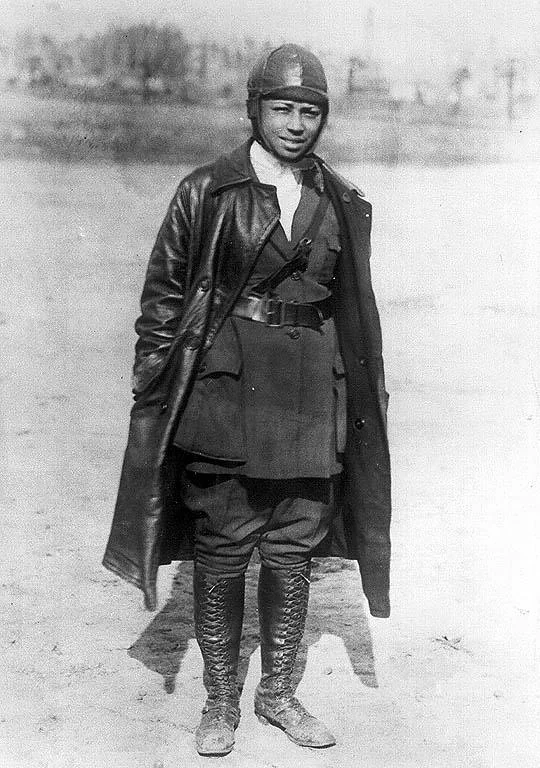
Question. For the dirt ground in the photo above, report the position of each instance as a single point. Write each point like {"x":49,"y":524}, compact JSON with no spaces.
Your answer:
{"x":91,"y":680}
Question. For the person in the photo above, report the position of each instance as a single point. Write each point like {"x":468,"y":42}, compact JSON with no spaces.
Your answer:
{"x":260,"y":406}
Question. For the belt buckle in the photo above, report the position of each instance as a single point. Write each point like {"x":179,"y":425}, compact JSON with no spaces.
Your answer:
{"x":274,"y":312}
{"x":320,"y":317}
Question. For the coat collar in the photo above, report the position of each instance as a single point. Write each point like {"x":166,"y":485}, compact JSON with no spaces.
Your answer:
{"x":232,"y":170}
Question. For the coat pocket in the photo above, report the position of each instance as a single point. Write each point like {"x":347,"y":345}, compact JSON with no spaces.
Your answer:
{"x":212,"y":423}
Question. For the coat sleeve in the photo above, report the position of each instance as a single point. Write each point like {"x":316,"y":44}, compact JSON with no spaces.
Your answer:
{"x":164,"y":291}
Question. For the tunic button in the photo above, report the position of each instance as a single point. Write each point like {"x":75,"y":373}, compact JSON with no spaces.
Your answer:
{"x":294,"y":333}
{"x":204,"y":285}
{"x":296,"y":275}
{"x":346,"y":197}
{"x":363,"y":361}
{"x":360,"y":423}
{"x":202,"y":367}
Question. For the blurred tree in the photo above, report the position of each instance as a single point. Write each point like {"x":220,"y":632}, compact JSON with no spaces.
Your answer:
{"x":459,"y":78}
{"x":36,"y":70}
{"x":202,"y":68}
{"x":92,"y":54}
{"x":509,"y":72}
{"x":155,"y":53}
{"x":24,"y":48}
{"x":36,"y":57}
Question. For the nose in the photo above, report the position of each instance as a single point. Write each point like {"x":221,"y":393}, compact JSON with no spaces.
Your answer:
{"x":295,"y":123}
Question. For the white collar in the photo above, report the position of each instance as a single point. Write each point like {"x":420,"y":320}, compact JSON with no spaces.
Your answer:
{"x":269,"y":168}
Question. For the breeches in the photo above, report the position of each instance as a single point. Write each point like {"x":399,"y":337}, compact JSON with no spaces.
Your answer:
{"x":285,"y":519}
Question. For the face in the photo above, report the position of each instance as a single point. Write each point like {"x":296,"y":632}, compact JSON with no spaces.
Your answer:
{"x":290,"y":128}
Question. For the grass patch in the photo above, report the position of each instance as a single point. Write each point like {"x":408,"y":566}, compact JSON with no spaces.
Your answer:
{"x":79,"y":130}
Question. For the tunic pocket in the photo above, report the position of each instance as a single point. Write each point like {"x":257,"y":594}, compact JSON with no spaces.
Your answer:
{"x":329,"y":254}
{"x":212,"y":424}
{"x":340,"y":396}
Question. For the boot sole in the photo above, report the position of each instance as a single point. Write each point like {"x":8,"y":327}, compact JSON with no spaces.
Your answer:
{"x":214,"y":754}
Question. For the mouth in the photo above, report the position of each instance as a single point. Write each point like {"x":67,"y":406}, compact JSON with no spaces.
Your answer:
{"x":292,"y":143}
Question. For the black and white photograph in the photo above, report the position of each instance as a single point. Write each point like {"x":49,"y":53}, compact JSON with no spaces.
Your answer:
{"x":269,"y":383}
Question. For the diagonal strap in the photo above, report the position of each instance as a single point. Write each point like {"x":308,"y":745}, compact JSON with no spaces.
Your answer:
{"x":302,"y":250}
{"x":315,"y":224}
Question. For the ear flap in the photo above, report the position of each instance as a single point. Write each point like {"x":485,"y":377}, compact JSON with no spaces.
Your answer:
{"x":252,"y":105}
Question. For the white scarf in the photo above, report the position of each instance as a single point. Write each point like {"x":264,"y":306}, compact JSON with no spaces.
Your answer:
{"x":288,"y":182}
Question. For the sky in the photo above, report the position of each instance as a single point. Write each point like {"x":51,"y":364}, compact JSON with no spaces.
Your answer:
{"x":411,"y":37}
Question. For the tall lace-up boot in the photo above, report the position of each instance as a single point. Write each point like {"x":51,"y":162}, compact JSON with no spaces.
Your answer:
{"x":283,"y":602}
{"x":219,"y":610}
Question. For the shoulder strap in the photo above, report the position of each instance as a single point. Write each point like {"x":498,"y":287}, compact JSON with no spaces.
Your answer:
{"x":297,"y":264}
{"x":315,"y":224}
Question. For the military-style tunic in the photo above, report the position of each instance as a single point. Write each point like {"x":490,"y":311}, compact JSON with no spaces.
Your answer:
{"x":270,"y":402}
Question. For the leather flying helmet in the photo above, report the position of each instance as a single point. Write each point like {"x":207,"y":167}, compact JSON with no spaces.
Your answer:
{"x":287,"y":72}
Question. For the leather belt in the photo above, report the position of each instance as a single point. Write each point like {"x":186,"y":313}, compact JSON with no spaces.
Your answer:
{"x":277,"y":313}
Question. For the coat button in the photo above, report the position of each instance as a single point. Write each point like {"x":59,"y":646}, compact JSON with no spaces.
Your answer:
{"x":204,"y":285}
{"x":346,"y":197}
{"x":202,"y":367}
{"x":360,"y":423}
{"x":163,"y":407}
{"x":294,"y":333}
{"x":296,"y":275}
{"x":363,"y":361}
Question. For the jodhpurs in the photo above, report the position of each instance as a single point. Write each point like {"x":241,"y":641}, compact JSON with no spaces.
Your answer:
{"x":285,"y":519}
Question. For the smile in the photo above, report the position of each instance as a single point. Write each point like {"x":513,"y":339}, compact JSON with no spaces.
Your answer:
{"x":292,"y":142}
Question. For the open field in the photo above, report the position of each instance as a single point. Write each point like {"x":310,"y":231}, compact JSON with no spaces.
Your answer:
{"x":91,"y":680}
{"x":68,"y":129}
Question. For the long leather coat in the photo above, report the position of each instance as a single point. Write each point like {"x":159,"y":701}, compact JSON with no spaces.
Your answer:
{"x":214,"y":230}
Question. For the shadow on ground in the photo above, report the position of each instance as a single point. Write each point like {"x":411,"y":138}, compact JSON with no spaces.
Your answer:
{"x":335,"y":608}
